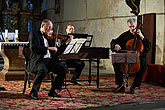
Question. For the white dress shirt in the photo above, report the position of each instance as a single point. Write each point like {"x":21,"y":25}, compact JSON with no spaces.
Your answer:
{"x":46,"y":45}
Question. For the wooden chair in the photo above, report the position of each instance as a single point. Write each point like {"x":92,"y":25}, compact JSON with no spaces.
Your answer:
{"x":30,"y":76}
{"x":70,"y":70}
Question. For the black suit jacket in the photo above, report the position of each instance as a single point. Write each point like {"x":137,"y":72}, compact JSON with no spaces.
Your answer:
{"x":124,"y":37}
{"x":38,"y":50}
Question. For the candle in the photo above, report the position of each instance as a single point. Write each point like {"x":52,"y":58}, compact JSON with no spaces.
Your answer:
{"x":16,"y":35}
{"x":6,"y":33}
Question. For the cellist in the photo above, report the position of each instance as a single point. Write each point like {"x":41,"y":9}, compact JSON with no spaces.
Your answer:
{"x":120,"y":44}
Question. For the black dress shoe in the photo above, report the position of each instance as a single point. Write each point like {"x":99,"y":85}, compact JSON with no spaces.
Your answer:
{"x":34,"y":95}
{"x":119,"y":89}
{"x":54,"y":94}
{"x":2,"y":88}
{"x":132,"y":91}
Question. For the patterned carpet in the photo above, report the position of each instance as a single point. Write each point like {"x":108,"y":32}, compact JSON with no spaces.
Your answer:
{"x":84,"y":96}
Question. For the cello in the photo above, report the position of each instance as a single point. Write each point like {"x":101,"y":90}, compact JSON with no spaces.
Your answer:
{"x":134,"y":45}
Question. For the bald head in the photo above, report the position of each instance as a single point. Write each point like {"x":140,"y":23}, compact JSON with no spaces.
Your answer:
{"x":46,"y":26}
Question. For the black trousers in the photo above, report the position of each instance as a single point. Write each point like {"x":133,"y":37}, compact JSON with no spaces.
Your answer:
{"x":78,"y":65}
{"x":44,"y":68}
{"x":139,"y":75}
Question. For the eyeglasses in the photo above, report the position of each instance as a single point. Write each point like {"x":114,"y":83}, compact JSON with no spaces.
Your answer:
{"x":132,"y":26}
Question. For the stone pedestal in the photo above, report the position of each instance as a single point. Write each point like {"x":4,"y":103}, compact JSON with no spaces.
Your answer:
{"x":14,"y":64}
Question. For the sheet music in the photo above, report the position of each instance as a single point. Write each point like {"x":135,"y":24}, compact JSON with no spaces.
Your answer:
{"x":74,"y":45}
{"x":70,"y":46}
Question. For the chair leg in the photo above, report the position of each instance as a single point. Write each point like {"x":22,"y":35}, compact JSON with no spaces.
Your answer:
{"x":69,"y":74}
{"x":25,"y":82}
{"x":65,"y":87}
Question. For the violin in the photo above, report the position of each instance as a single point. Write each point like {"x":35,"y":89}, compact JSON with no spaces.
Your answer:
{"x":58,"y":36}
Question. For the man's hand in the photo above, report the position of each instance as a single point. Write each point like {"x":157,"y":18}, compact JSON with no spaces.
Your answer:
{"x":140,"y":34}
{"x":117,"y":47}
{"x":52,"y":49}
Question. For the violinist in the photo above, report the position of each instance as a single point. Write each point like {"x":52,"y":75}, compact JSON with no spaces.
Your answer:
{"x":120,"y":44}
{"x":74,"y":63}
{"x":43,"y":59}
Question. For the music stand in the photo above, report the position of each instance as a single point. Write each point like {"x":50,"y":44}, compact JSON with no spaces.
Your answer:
{"x":78,"y":35}
{"x":125,"y":58}
{"x":74,"y":46}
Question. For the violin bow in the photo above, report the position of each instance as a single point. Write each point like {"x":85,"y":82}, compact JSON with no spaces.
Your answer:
{"x":56,"y":36}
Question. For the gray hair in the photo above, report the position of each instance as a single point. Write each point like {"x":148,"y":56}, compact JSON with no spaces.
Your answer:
{"x":131,"y":20}
{"x":45,"y":21}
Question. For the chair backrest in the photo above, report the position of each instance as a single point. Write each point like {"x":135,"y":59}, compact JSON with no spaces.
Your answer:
{"x":26,"y":53}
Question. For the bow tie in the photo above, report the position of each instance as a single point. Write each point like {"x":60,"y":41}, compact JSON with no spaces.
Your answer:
{"x":45,"y":36}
